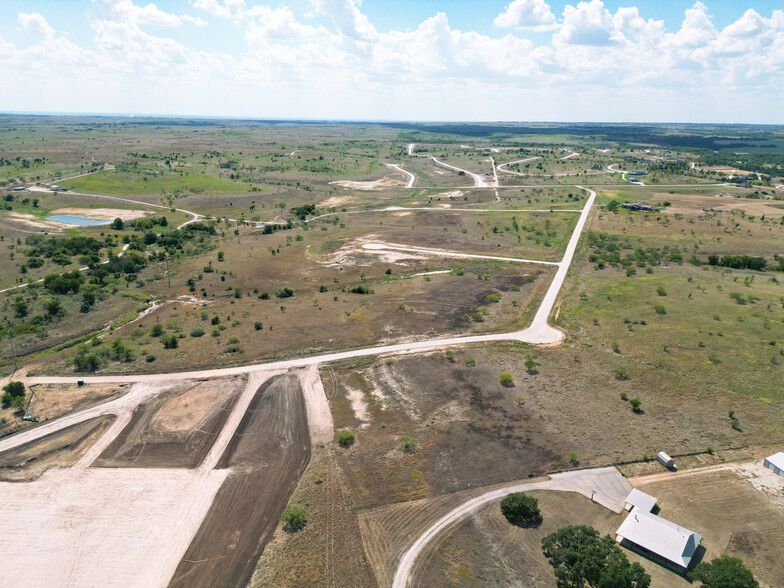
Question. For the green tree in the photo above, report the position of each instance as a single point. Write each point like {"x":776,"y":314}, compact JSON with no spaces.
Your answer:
{"x":157,"y":330}
{"x":530,"y":365}
{"x":580,"y":555}
{"x":14,"y":389}
{"x":118,"y":224}
{"x":506,"y":380}
{"x":345,"y":438}
{"x":20,"y":308}
{"x":521,"y":509}
{"x":294,"y":518}
{"x":169,"y":341}
{"x":53,"y":307}
{"x":724,"y":572}
{"x":635,"y":403}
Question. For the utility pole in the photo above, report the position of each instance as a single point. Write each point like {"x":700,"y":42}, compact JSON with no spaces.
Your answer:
{"x":168,"y":275}
{"x":11,"y":337}
{"x":238,"y":232}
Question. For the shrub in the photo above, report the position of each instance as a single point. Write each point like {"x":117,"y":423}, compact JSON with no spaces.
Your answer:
{"x":216,"y":332}
{"x":169,"y":341}
{"x":506,"y":380}
{"x":258,"y":326}
{"x":157,"y":330}
{"x":86,"y":363}
{"x":345,"y":438}
{"x":149,"y":358}
{"x":264,"y":296}
{"x":661,"y":291}
{"x":284,"y":293}
{"x":294,"y":518}
{"x":659,"y":309}
{"x":470,"y":362}
{"x":635,"y":403}
{"x":233,"y":339}
{"x":450,"y":355}
{"x":197,"y":332}
{"x":521,"y":509}
{"x":361,"y":289}
{"x":14,"y":389}
{"x":409,"y":443}
{"x":572,"y":455}
{"x":531,"y":365}
{"x":621,"y":374}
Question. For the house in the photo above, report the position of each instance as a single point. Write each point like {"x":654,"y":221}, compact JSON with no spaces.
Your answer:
{"x":659,"y":539}
{"x":775,"y":463}
{"x":639,"y":207}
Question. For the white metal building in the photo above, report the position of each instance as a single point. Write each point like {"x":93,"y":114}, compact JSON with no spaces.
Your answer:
{"x":637,"y":499}
{"x":775,"y":462}
{"x":659,"y":538}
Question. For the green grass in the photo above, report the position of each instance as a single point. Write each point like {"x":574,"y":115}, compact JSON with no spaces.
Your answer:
{"x":121,"y":183}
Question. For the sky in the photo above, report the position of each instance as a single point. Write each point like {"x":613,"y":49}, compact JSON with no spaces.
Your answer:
{"x":414,"y":60}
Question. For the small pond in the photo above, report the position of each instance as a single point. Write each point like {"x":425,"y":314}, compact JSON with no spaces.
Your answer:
{"x":82,"y":221}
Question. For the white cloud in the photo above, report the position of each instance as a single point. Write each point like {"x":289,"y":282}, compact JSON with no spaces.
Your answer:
{"x":34,"y":23}
{"x":346,"y":17}
{"x":279,"y":23}
{"x":231,"y":9}
{"x":127,"y":11}
{"x":194,"y":20}
{"x":589,"y":23}
{"x":527,"y":14}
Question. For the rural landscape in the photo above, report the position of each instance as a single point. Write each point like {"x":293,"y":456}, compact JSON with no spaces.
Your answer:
{"x":375,"y":294}
{"x":270,"y":353}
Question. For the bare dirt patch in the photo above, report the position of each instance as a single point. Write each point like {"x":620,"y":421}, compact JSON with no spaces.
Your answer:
{"x":174,"y":429}
{"x":31,"y":222}
{"x":63,"y":448}
{"x":266,"y":457}
{"x":335,"y":201}
{"x":386,"y":182}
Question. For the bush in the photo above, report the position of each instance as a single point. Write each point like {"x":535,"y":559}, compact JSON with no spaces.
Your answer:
{"x":86,"y":363}
{"x":659,"y":309}
{"x":345,"y":438}
{"x":521,"y":509}
{"x":635,"y":403}
{"x":197,"y":332}
{"x":531,"y":365}
{"x":506,"y":380}
{"x":580,"y":556}
{"x":284,"y":293}
{"x":14,"y":389}
{"x":258,"y":326}
{"x":157,"y":330}
{"x":409,"y":443}
{"x":294,"y":518}
{"x":621,"y":374}
{"x":149,"y":358}
{"x":724,"y":572}
{"x":169,"y":341}
{"x":661,"y":291}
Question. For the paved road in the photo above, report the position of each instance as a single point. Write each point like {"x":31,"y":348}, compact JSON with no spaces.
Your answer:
{"x":606,"y":486}
{"x":507,"y":171}
{"x":539,"y":332}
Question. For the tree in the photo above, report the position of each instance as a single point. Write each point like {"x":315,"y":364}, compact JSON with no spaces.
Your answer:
{"x":521,"y":509}
{"x":86,"y":363}
{"x":613,"y":205}
{"x":53,"y":307}
{"x":294,"y":518}
{"x":169,"y":341}
{"x":14,"y":389}
{"x":345,"y":438}
{"x":118,"y":224}
{"x":530,"y":365}
{"x":580,"y":556}
{"x":506,"y":380}
{"x":157,"y":330}
{"x":724,"y":572}
{"x":220,"y":255}
{"x":635,"y":403}
{"x":20,"y":308}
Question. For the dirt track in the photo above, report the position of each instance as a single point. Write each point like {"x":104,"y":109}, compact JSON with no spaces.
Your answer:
{"x":267,"y":455}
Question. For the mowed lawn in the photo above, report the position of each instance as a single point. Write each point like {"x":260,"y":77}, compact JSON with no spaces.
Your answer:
{"x":113,"y":182}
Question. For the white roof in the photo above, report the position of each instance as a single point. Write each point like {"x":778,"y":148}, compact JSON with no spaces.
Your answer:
{"x":660,"y":536}
{"x":645,"y":502}
{"x":777,"y":459}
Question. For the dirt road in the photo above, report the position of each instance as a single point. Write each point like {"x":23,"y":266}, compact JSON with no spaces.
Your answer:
{"x":606,"y":486}
{"x":441,"y":253}
{"x":411,"y":177}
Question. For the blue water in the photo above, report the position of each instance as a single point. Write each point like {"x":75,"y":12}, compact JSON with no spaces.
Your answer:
{"x":71,"y":219}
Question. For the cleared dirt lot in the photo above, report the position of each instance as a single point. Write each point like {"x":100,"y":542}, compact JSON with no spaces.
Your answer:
{"x":64,"y":448}
{"x":174,"y":429}
{"x":267,"y":455}
{"x":102,"y":527}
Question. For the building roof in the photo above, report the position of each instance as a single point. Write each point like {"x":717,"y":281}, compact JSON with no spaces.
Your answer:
{"x":777,"y":459}
{"x":645,"y":502}
{"x":660,"y":536}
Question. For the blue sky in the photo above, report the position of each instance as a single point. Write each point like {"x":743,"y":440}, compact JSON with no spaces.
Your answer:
{"x":640,"y":60}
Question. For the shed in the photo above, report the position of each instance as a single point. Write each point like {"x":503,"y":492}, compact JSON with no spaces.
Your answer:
{"x":665,"y":460}
{"x":640,"y":500}
{"x":657,"y":537}
{"x":775,"y":462}
{"x":20,"y":188}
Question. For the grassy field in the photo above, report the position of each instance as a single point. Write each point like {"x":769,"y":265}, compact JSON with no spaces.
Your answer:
{"x":116,"y":183}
